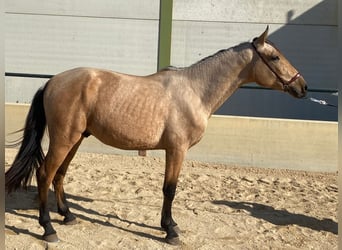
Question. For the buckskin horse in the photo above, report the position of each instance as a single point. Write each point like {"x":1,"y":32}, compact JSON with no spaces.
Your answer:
{"x":168,"y":110}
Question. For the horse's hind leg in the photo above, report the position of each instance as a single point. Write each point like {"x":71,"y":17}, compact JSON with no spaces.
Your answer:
{"x":45,"y":174}
{"x":63,"y":208}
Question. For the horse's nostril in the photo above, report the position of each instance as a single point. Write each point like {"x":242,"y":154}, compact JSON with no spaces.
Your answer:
{"x":306,"y":87}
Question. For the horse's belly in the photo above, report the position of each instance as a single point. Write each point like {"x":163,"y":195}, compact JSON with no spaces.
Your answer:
{"x":129,"y":141}
{"x":126,"y":131}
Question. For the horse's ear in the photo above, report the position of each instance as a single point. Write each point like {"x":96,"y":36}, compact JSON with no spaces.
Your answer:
{"x":262,"y":38}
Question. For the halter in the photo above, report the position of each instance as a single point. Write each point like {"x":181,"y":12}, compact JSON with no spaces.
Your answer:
{"x":284,"y":82}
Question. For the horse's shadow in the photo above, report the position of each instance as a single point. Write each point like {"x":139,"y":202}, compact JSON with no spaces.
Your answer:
{"x":28,"y":199}
{"x":281,"y":217}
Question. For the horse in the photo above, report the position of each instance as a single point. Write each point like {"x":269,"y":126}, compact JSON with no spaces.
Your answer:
{"x":167,"y":110}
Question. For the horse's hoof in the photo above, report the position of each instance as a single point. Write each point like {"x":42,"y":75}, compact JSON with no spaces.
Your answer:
{"x":70,"y":222}
{"x":177,"y":229}
{"x":51,"y":238}
{"x":175,"y":241}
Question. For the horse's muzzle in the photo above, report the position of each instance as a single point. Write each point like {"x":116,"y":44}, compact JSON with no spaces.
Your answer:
{"x":297,"y":88}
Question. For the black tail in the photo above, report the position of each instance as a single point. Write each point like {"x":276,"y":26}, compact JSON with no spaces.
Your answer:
{"x":30,"y":155}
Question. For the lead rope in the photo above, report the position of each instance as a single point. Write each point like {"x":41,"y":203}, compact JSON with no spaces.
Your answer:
{"x":322,"y":102}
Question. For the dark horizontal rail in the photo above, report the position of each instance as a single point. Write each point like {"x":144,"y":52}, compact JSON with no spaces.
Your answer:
{"x":28,"y":75}
{"x":331,"y":91}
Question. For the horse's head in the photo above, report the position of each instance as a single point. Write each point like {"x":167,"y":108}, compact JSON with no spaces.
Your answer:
{"x":273,"y":70}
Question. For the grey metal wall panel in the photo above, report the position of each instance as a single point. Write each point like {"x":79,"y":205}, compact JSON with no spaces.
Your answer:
{"x":51,"y":36}
{"x":258,"y":11}
{"x":135,"y":9}
{"x":315,"y":58}
{"x":50,"y":44}
{"x":312,"y":49}
{"x":192,"y":40}
{"x":22,"y":90}
{"x":305,"y":31}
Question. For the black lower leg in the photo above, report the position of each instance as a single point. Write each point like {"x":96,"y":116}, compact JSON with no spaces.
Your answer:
{"x":44,"y":216}
{"x":62,"y":204}
{"x":45,"y":221}
{"x":69,"y":218}
{"x":167,"y":222}
{"x":63,"y":209}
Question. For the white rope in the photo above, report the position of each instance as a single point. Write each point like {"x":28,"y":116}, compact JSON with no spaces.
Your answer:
{"x":323,"y":102}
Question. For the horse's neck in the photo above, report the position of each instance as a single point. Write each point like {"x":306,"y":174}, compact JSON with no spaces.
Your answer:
{"x":216,"y":78}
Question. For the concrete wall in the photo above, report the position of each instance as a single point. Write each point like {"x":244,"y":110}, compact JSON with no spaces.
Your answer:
{"x":241,"y":141}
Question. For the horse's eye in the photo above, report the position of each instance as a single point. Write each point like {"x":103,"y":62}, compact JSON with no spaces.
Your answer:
{"x":275,"y":58}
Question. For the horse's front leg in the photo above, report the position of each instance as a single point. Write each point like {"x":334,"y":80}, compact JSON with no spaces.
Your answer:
{"x":174,"y":160}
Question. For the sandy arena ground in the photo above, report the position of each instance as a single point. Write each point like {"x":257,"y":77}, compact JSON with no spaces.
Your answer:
{"x":117,"y":200}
